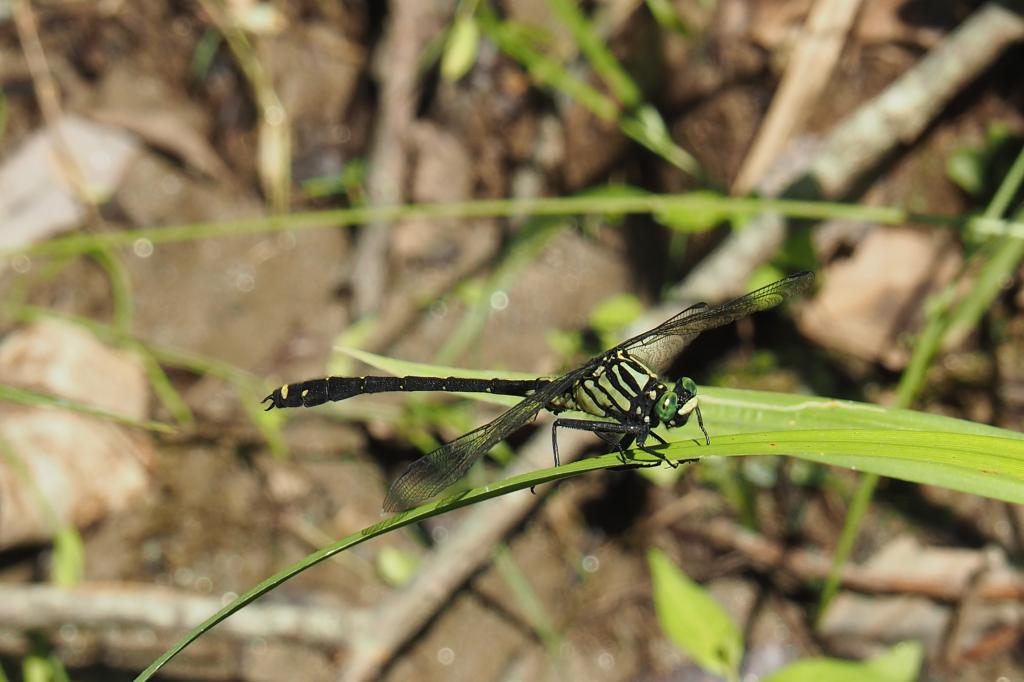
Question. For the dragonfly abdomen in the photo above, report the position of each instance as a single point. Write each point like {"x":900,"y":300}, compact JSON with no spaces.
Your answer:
{"x":318,"y":391}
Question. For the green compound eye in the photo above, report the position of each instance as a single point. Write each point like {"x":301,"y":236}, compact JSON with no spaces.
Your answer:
{"x":666,"y":406}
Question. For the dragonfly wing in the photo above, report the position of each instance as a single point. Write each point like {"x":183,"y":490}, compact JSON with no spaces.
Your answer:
{"x":435,"y":471}
{"x":658,"y":351}
{"x":659,"y":346}
{"x":432,"y":473}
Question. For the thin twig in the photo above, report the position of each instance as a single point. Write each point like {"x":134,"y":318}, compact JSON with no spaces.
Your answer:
{"x":807,"y":73}
{"x":48,"y":97}
{"x":274,"y":158}
{"x":1001,"y":585}
{"x":119,"y":604}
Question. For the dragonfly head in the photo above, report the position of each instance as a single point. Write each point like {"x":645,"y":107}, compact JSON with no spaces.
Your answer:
{"x":675,"y":406}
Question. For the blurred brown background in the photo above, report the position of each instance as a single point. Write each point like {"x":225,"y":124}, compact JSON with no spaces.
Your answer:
{"x":215,"y":117}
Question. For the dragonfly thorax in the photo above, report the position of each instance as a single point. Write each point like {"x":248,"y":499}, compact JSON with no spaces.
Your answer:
{"x":620,"y":388}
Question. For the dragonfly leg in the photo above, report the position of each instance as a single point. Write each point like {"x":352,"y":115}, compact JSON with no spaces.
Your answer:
{"x":700,"y":423}
{"x":606,"y":430}
{"x":655,"y":452}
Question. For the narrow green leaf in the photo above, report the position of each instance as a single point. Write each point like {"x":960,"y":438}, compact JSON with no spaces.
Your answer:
{"x":855,"y":515}
{"x":68,"y":557}
{"x":693,"y":620}
{"x":912,"y":446}
{"x":23,"y":396}
{"x":1009,"y":465}
{"x":966,"y":168}
{"x":597,"y":52}
{"x":461,"y":49}
{"x":901,"y":663}
{"x":529,"y":601}
{"x":831,"y":669}
{"x":395,"y":566}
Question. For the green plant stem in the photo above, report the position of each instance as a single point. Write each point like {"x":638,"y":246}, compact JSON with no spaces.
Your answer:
{"x":496,"y":208}
{"x":526,"y":596}
{"x":597,"y":52}
{"x":640,"y":122}
{"x":21,"y":396}
{"x":1003,"y":258}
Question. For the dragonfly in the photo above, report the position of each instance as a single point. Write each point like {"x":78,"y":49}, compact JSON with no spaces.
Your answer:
{"x":621,"y":387}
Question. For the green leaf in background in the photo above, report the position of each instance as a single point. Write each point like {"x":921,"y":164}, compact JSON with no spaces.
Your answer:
{"x":615,"y":313}
{"x":901,"y":663}
{"x":968,"y":167}
{"x":68,"y":558}
{"x":566,"y":344}
{"x":764,"y":274}
{"x":42,"y":665}
{"x":461,"y":49}
{"x":693,"y":620}
{"x":396,"y":567}
{"x":355,"y":335}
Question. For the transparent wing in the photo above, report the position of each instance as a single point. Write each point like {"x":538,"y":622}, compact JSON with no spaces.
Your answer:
{"x":435,"y":471}
{"x":432,"y":473}
{"x":658,"y":347}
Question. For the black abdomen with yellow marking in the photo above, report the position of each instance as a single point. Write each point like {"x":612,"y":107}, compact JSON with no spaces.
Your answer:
{"x":319,"y":391}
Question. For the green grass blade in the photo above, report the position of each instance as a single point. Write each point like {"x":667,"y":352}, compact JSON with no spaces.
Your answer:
{"x":901,"y":663}
{"x":597,"y":52}
{"x":529,"y":601}
{"x":702,"y":202}
{"x":732,"y":410}
{"x":945,"y":324}
{"x":524,"y":248}
{"x":547,"y":71}
{"x":739,"y":412}
{"x":21,"y":396}
{"x":855,"y":514}
{"x":980,"y":464}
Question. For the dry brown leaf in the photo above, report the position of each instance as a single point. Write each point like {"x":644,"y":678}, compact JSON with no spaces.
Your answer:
{"x":63,"y":467}
{"x":867,"y":302}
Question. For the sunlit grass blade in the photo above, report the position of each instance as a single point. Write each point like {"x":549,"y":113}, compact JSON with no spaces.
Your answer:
{"x":947,"y":325}
{"x":981,"y":464}
{"x":21,"y":396}
{"x":733,"y":410}
{"x":904,"y":444}
{"x":78,"y":243}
